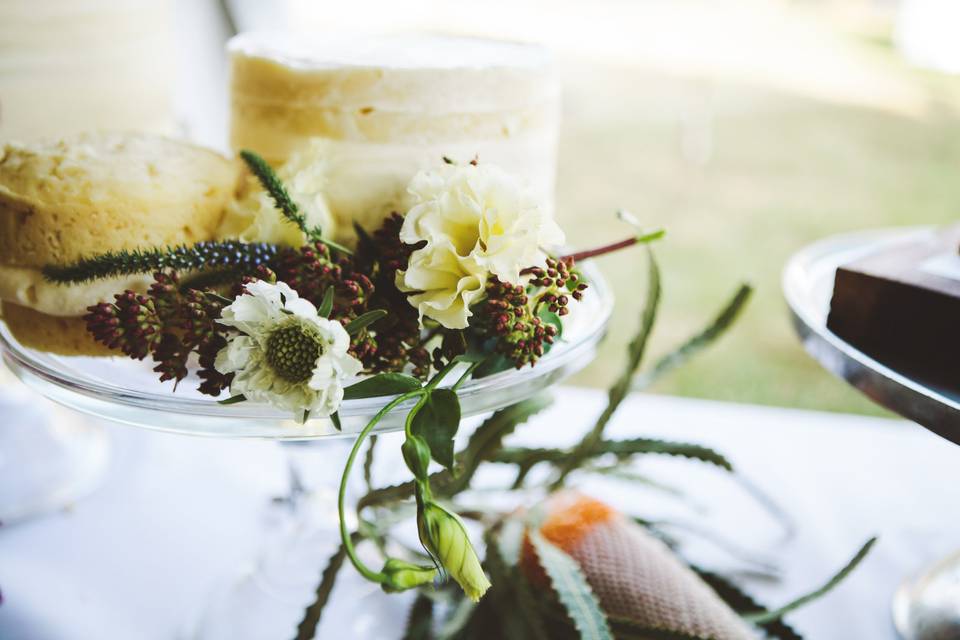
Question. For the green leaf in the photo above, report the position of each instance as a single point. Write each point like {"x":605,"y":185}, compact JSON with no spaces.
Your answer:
{"x":365,"y":320}
{"x":742,"y":602}
{"x":485,"y":442}
{"x":495,"y":363}
{"x":335,"y":419}
{"x":437,"y":423}
{"x":457,"y":620}
{"x":307,"y":628}
{"x":629,"y":630}
{"x":233,"y":399}
{"x":218,"y":298}
{"x":382,"y":384}
{"x":551,"y":318}
{"x":651,"y":236}
{"x":572,"y":589}
{"x":368,"y":463}
{"x":420,"y":619}
{"x":669,"y":448}
{"x":327,"y":305}
{"x":621,"y":448}
{"x":717,"y":327}
{"x":763,"y":617}
{"x":511,"y":596}
{"x":621,"y":387}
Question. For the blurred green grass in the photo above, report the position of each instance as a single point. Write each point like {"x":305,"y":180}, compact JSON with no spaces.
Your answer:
{"x":741,"y":176}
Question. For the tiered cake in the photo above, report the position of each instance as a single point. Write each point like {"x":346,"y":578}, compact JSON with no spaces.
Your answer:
{"x":378,"y":109}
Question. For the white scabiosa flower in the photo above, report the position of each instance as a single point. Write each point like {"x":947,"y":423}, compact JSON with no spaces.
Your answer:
{"x":287,"y":355}
{"x":473,"y":221}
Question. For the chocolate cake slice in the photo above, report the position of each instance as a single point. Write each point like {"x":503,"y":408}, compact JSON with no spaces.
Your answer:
{"x":901,"y":306}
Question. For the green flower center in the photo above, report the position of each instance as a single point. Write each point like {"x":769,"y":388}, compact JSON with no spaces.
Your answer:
{"x":292,"y":352}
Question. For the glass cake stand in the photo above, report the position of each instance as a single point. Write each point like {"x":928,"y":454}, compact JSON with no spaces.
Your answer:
{"x":127,"y":391}
{"x":70,"y":452}
{"x":268,"y":599}
{"x":928,"y":606}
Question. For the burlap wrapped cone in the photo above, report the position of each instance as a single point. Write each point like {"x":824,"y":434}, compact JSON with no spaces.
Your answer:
{"x":636,"y":577}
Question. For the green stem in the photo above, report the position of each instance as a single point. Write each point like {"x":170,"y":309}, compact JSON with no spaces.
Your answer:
{"x":408,"y":424}
{"x":422,"y":395}
{"x":437,"y":379}
{"x":365,"y":571}
{"x":466,"y":374}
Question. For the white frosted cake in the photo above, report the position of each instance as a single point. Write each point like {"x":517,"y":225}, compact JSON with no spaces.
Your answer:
{"x":375,"y":110}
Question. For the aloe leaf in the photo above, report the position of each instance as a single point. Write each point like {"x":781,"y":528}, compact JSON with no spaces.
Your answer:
{"x":742,"y":602}
{"x":717,"y":327}
{"x":775,"y":614}
{"x":509,"y":594}
{"x":307,"y":628}
{"x":669,"y":448}
{"x":629,"y":630}
{"x":420,"y":619}
{"x":621,"y":387}
{"x":572,"y":590}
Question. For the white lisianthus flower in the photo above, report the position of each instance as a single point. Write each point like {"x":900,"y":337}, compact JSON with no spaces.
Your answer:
{"x":253,"y":215}
{"x":443,"y":284}
{"x":474,"y":221}
{"x":286,"y":355}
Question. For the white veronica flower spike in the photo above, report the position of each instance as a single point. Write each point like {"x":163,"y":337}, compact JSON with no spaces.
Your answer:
{"x":286,"y":355}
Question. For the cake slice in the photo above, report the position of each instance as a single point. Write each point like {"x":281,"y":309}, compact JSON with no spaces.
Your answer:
{"x":901,"y":306}
{"x":85,"y":195}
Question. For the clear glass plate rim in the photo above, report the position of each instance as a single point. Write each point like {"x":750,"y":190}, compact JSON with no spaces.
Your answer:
{"x":562,"y":353}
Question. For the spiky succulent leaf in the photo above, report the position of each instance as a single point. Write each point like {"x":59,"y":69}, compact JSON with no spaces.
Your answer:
{"x":572,"y":589}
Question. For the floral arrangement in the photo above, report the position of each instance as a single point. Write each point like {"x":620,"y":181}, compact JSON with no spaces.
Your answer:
{"x":466,"y":283}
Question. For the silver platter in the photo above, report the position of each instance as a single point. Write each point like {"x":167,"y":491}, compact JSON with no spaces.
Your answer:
{"x":808,"y":287}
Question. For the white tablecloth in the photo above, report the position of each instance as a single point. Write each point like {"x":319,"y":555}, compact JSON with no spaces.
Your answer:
{"x":177,"y":516}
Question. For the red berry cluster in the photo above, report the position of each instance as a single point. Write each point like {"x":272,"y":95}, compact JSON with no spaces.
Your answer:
{"x":168,"y":324}
{"x":519,"y":316}
{"x":508,"y":315}
{"x":557,"y":280}
{"x":129,"y":324}
{"x":311,"y":270}
{"x":398,"y":340}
